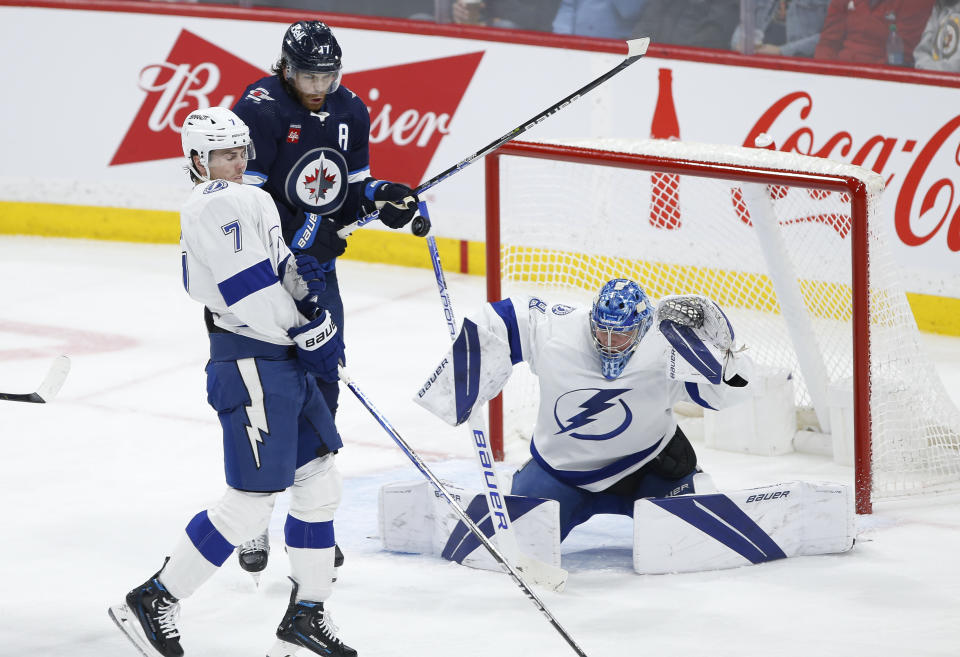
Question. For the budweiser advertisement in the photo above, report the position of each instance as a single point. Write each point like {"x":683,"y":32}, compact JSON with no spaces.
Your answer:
{"x":103,"y":130}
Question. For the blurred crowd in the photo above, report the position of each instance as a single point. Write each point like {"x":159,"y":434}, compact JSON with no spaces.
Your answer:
{"x":913,"y":33}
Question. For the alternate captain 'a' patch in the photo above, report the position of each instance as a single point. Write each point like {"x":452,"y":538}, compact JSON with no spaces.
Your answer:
{"x":318,"y":181}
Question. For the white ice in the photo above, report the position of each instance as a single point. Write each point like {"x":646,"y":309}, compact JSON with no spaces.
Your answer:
{"x":97,"y":486}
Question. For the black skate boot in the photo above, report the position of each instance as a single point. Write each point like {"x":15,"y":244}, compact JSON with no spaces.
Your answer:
{"x":149,"y":619}
{"x":337,"y":560}
{"x":255,"y":553}
{"x":307,"y":625}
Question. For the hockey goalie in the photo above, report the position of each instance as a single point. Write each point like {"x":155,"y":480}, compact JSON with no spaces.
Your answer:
{"x":606,"y":440}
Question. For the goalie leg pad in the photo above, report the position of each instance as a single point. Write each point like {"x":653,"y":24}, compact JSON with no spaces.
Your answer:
{"x":415,"y":518}
{"x":693,"y":533}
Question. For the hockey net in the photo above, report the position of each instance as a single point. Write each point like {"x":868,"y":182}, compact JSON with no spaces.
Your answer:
{"x":791,"y":246}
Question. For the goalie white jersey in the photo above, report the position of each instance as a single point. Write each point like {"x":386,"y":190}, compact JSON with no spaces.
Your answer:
{"x":235,"y":261}
{"x":591,"y":432}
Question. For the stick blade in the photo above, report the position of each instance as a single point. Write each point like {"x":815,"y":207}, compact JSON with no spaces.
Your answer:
{"x":54,"y":380}
{"x":541,"y":573}
{"x":638,"y":47}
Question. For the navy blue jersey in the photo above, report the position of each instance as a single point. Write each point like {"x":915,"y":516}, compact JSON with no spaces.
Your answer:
{"x":311,"y":163}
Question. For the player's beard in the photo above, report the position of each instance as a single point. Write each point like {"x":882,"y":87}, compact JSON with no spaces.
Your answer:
{"x":308,"y":100}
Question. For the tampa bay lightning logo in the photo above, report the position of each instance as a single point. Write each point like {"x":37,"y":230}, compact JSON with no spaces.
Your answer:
{"x":215,"y":186}
{"x":592,"y":413}
{"x":318,"y":181}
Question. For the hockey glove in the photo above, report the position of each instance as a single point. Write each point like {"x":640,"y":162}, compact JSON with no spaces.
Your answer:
{"x":396,"y":202}
{"x":309,"y":269}
{"x":319,"y":347}
{"x":699,"y":313}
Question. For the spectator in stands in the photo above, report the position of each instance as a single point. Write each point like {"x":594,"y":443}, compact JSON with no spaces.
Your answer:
{"x":784,"y":27}
{"x":857,"y":30}
{"x":613,"y":19}
{"x":704,"y":23}
{"x":938,"y":48}
{"x":510,"y":14}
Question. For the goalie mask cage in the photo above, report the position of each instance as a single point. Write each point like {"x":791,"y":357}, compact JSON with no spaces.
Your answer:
{"x":791,"y":246}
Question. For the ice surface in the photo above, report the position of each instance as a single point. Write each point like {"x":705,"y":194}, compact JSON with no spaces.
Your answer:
{"x":98,"y":486}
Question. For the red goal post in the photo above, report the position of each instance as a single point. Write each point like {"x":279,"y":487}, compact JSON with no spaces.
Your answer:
{"x":652,"y":192}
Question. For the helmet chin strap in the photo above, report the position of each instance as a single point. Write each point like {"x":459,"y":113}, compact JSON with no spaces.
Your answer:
{"x":193,"y":168}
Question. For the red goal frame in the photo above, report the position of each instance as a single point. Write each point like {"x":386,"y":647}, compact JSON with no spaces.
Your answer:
{"x":859,"y":253}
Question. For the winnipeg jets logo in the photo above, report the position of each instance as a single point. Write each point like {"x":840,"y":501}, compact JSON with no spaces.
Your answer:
{"x":318,"y":182}
{"x":258,"y":94}
{"x":592,"y":413}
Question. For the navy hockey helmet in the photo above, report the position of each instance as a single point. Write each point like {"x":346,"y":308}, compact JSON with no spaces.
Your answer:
{"x":310,"y":47}
{"x":619,"y":318}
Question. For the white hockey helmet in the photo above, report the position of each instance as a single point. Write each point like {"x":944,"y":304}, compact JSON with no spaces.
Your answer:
{"x":211,"y":129}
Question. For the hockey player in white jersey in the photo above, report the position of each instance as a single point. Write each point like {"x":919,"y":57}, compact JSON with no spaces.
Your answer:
{"x":609,"y":377}
{"x":266,"y":334}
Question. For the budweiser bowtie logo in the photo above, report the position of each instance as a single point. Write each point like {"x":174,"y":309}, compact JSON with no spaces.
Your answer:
{"x":406,"y":124}
{"x":196,"y":74}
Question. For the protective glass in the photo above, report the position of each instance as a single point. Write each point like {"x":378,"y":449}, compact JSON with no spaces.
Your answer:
{"x":313,"y":82}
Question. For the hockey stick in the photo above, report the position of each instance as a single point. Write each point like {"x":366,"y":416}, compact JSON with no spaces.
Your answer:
{"x":48,"y":389}
{"x":425,"y":471}
{"x":636,"y":48}
{"x":539,"y":572}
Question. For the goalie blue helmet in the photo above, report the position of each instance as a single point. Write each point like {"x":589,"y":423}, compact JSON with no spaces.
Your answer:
{"x":619,"y":318}
{"x":310,"y":47}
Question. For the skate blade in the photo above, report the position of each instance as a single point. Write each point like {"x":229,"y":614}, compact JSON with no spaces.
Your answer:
{"x":123,"y":617}
{"x":283,"y":649}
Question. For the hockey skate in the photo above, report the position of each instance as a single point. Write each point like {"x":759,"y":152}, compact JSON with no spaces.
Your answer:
{"x":307,"y":625}
{"x":254,"y":554}
{"x":149,"y":619}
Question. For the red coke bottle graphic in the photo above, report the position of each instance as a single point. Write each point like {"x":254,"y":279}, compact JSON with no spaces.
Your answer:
{"x":665,"y":187}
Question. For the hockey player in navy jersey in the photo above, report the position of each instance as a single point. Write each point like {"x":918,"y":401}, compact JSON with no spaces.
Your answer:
{"x":269,"y":343}
{"x":609,"y":377}
{"x":312,"y":156}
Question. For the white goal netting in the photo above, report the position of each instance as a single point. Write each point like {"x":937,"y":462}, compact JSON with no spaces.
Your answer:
{"x":777,"y":257}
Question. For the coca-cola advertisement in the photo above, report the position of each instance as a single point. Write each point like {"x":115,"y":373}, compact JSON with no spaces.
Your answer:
{"x":111,"y":125}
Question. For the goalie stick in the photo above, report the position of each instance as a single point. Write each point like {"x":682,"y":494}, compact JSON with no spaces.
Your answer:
{"x":636,"y":48}
{"x":51,"y":385}
{"x":539,"y":572}
{"x":426,"y":472}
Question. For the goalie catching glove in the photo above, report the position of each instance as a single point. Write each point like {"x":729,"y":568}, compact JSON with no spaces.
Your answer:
{"x":396,"y":202}
{"x":702,"y":341}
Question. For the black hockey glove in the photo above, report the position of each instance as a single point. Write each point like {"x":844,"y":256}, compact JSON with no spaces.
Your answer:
{"x":396,"y":202}
{"x":327,"y":245}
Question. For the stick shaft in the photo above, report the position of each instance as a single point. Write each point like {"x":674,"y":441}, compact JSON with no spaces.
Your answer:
{"x":636,"y":49}
{"x":426,"y":472}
